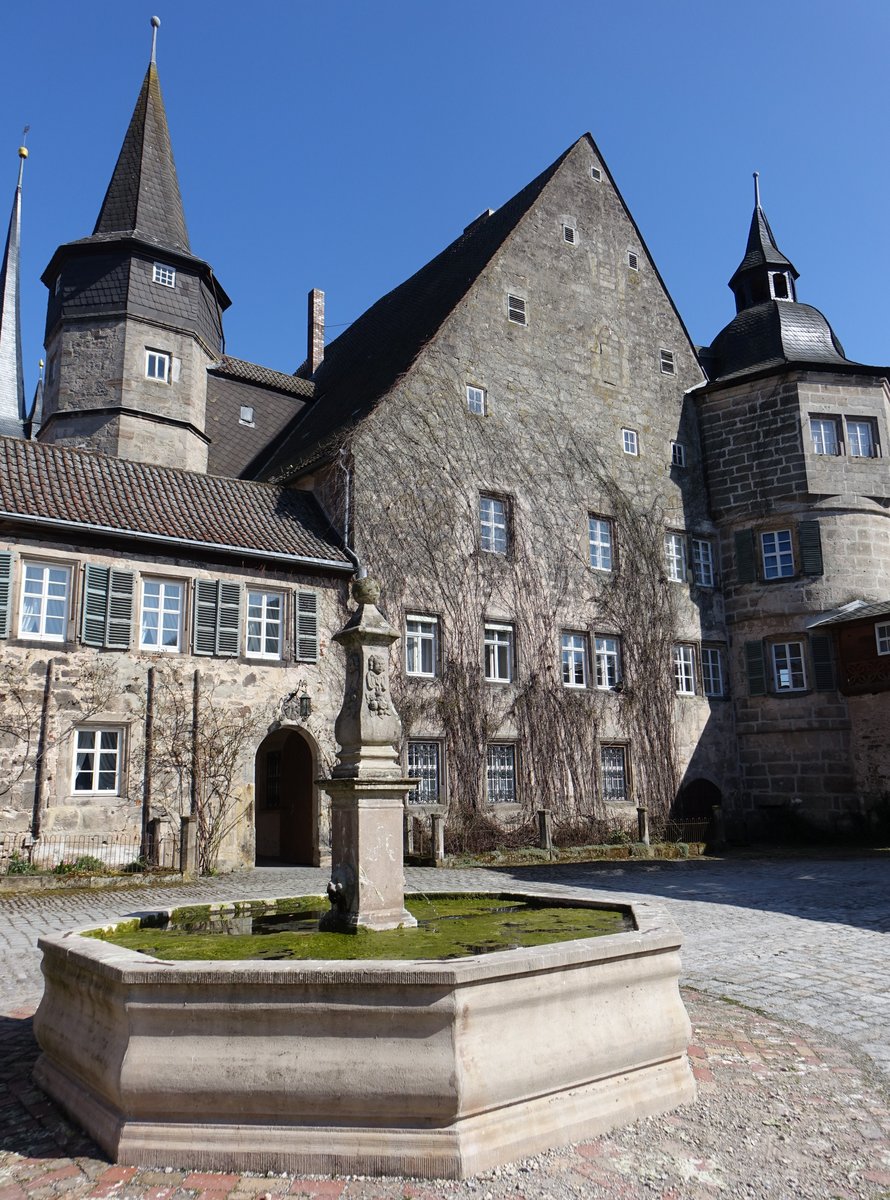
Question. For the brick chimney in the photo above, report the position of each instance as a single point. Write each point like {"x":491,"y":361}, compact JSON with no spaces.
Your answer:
{"x":315,"y":350}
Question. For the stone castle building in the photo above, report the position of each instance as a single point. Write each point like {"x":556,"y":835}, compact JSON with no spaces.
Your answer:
{"x":625,"y":569}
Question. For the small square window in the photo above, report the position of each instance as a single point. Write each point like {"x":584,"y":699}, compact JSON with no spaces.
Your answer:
{"x":421,"y":645}
{"x":613,"y":763}
{"x":600,"y":540}
{"x":789,"y":674}
{"x":607,"y":655}
{"x":97,"y":761}
{"x":569,"y":235}
{"x":424,"y":765}
{"x":498,"y":653}
{"x":675,"y":556}
{"x":861,"y":441}
{"x":574,"y":660}
{"x":246,"y":415}
{"x":703,"y":562}
{"x":824,"y":432}
{"x":882,"y":637}
{"x":477,"y":400}
{"x":164,"y":275}
{"x":678,"y":454}
{"x":777,"y":553}
{"x":666,"y":358}
{"x":500,"y":773}
{"x":516,"y":310}
{"x":157,"y":366}
{"x":684,"y":670}
{"x":492,"y":524}
{"x":713,"y":676}
{"x":596,"y":173}
{"x":633,"y":261}
{"x":630,"y":441}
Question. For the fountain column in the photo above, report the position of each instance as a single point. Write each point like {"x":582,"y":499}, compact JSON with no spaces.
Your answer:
{"x":367,"y":786}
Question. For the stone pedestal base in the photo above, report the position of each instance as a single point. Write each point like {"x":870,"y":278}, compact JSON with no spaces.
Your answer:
{"x":367,"y":868}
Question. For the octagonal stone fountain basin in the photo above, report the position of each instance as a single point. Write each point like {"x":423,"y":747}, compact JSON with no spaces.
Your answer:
{"x":421,"y":1068}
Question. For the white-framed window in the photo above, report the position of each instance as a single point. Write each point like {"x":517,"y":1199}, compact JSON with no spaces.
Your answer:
{"x":97,"y":761}
{"x":599,"y":532}
{"x":160,"y":625}
{"x":633,"y":260}
{"x":477,"y":400}
{"x":703,"y":562}
{"x":493,"y":524}
{"x":43,"y":612}
{"x":569,"y":234}
{"x":860,"y":438}
{"x":777,"y":553}
{"x":824,"y":433}
{"x":421,"y":645}
{"x":500,"y":773}
{"x":882,"y":637}
{"x":516,"y":310}
{"x":424,"y":765}
{"x":246,"y":415}
{"x":684,"y":670}
{"x":157,"y":366}
{"x":678,"y":454}
{"x":613,"y":765}
{"x":789,"y":674}
{"x":675,"y":556}
{"x":630,"y":442}
{"x":265,"y":624}
{"x":607,"y":656}
{"x":161,"y":273}
{"x":666,"y":361}
{"x":574,"y":660}
{"x":498,"y":653}
{"x":596,"y":174}
{"x":712,"y":673}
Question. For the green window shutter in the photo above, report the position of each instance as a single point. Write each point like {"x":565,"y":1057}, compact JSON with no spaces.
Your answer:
{"x":119,"y":626}
{"x":756,"y":667}
{"x":822,"y":651}
{"x":745,"y":561}
{"x":810,"y":541}
{"x":205,"y":616}
{"x":5,"y":591}
{"x":307,"y":627}
{"x":95,"y":605}
{"x":228,"y":619}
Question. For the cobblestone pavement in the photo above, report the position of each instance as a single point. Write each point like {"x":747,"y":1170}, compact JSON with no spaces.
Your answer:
{"x":783,"y":1110}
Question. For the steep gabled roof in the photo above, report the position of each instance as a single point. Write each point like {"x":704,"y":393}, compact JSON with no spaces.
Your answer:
{"x":57,"y":487}
{"x":143,"y":198}
{"x":12,"y":379}
{"x":362,"y":364}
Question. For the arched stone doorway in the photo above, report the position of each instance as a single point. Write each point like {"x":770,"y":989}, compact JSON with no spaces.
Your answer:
{"x":696,"y":799}
{"x":286,"y":800}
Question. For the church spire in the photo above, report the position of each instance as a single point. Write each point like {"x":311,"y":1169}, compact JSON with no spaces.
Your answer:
{"x":12,"y":381}
{"x":764,"y":273}
{"x":143,"y":198}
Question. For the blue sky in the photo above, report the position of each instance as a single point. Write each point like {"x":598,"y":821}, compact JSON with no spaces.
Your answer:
{"x":341,"y":145}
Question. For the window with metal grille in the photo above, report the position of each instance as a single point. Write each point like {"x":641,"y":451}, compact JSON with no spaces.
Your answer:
{"x":789,"y":674}
{"x":777,"y":554}
{"x":423,"y":765}
{"x":600,"y":538}
{"x":667,"y":362}
{"x":574,"y":660}
{"x":607,"y":652}
{"x":568,"y":234}
{"x":684,"y":670}
{"x":516,"y":310}
{"x":633,"y":261}
{"x":476,"y":400}
{"x":613,"y":762}
{"x":493,"y":524}
{"x":596,"y":173}
{"x":498,"y":653}
{"x":675,"y":556}
{"x":500,"y":774}
{"x":712,"y":671}
{"x":97,"y":761}
{"x":164,"y":275}
{"x":421,"y":645}
{"x":265,"y":624}
{"x":703,"y":562}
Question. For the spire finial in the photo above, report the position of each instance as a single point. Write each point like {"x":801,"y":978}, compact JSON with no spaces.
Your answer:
{"x":155,"y":26}
{"x":757,"y":189}
{"x":23,"y":153}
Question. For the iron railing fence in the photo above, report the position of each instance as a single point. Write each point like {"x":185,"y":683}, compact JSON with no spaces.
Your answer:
{"x":85,"y":854}
{"x":680,"y":831}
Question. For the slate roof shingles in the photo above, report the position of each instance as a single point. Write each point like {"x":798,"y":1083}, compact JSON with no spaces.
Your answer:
{"x":54,"y":483}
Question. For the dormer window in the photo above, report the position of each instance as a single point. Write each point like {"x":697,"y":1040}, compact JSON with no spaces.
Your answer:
{"x":164,"y":275}
{"x":246,"y":416}
{"x":780,"y":285}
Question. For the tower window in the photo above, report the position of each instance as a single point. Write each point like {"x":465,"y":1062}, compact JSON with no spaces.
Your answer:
{"x":667,"y":362}
{"x":569,"y":235}
{"x":157,"y":366}
{"x":633,"y":261}
{"x":780,"y":288}
{"x":516,"y":310}
{"x":164,"y":275}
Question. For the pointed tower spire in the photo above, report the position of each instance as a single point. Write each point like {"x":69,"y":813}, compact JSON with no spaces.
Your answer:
{"x":764,"y":273}
{"x":12,"y":380}
{"x":143,"y":198}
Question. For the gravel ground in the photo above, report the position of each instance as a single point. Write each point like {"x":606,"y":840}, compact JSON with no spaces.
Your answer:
{"x":782,"y":1112}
